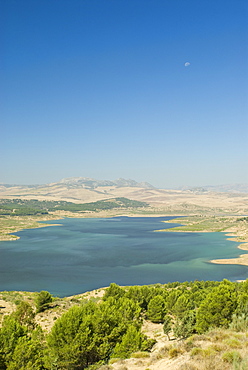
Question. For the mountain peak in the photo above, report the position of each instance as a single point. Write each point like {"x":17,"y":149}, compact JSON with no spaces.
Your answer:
{"x":90,"y":183}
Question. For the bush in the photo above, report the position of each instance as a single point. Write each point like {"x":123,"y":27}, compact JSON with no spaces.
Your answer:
{"x":217,"y":308}
{"x":174,"y":352}
{"x":231,"y":356}
{"x":167,"y":325}
{"x":217,"y":347}
{"x":140,"y":355}
{"x":186,"y":326}
{"x":131,"y":342}
{"x":114,"y":360}
{"x":239,"y":323}
{"x":232,"y":342}
{"x":196,"y":351}
{"x":42,"y":301}
{"x":156,"y":309}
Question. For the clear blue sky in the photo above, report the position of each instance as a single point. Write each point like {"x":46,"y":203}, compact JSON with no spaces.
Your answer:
{"x":99,"y":88}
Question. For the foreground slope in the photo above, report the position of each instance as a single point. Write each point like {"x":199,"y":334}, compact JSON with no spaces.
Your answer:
{"x":193,"y":325}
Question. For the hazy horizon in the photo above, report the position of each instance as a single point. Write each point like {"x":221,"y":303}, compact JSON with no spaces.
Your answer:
{"x":151,"y":91}
{"x":180,"y":187}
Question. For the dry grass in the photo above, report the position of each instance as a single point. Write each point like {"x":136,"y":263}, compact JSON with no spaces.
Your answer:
{"x":9,"y":301}
{"x":219,"y":349}
{"x":140,"y":355}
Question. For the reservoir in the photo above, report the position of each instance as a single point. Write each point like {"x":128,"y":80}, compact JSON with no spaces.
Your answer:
{"x":84,"y":254}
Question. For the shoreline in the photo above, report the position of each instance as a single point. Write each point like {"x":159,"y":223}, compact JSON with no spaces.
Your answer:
{"x":24,"y":224}
{"x":8,"y":235}
{"x":230,"y":234}
{"x":234,"y":235}
{"x":241,"y":260}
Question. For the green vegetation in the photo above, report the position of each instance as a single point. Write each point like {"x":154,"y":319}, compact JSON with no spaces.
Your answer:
{"x":19,"y":214}
{"x":24,"y":207}
{"x":90,"y":334}
{"x":167,"y":325}
{"x":204,"y":223}
{"x":156,"y":309}
{"x":10,"y":224}
{"x":43,"y":301}
{"x":243,"y":219}
{"x":237,"y":226}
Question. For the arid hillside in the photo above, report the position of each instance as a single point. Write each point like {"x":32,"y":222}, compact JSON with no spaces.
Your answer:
{"x":218,"y":348}
{"x":83,"y":190}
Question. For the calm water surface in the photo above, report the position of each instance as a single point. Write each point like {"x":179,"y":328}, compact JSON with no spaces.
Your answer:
{"x":85,"y":254}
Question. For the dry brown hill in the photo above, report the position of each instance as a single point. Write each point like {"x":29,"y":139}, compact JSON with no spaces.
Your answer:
{"x":83,"y":190}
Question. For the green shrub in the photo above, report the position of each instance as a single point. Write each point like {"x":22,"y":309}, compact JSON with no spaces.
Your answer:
{"x":231,"y":356}
{"x":218,"y":335}
{"x":156,"y":309}
{"x":232,"y":342}
{"x":140,"y":355}
{"x":114,"y":360}
{"x":208,"y":352}
{"x":196,"y":351}
{"x":217,"y":308}
{"x":42,"y":301}
{"x":174,"y":352}
{"x":239,"y":323}
{"x":240,"y":365}
{"x":216,"y":347}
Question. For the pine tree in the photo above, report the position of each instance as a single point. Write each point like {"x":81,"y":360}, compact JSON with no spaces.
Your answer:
{"x":156,"y":309}
{"x":167,"y":325}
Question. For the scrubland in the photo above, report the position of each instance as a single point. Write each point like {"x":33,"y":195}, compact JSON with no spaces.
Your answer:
{"x":192,"y":325}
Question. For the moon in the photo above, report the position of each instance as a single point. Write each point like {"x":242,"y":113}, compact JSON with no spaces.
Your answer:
{"x":187,"y":64}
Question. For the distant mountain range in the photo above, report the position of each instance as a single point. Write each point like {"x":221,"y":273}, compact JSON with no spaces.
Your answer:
{"x":88,"y":183}
{"x":87,"y":190}
{"x":92,"y":184}
{"x":228,"y":188}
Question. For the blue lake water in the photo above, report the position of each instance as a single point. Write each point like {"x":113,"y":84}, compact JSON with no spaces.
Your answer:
{"x":85,"y":254}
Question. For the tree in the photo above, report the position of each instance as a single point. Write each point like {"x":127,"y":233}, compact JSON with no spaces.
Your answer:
{"x":182,"y":305}
{"x":156,"y":309}
{"x":42,"y":301}
{"x":242,"y":306}
{"x":25,"y":315}
{"x":131,"y":342}
{"x":71,"y":341}
{"x":186,"y":326}
{"x":167,"y":325}
{"x":28,"y":355}
{"x":139,"y":294}
{"x":114,"y":291}
{"x":21,"y":347}
{"x":217,"y":308}
{"x":88,"y":334}
{"x":171,"y":299}
{"x":10,"y":333}
{"x":2,"y":362}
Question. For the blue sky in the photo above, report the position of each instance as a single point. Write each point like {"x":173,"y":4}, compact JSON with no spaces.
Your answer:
{"x":99,"y":88}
